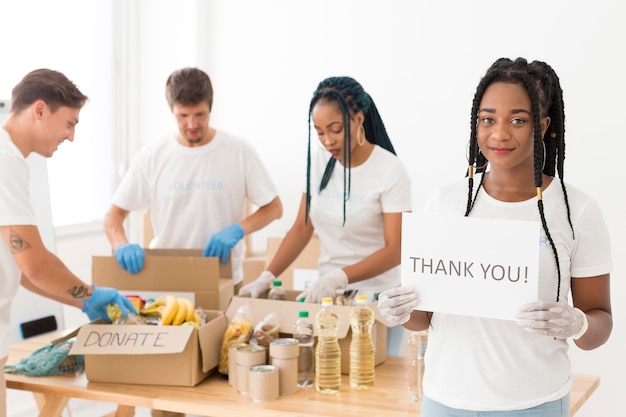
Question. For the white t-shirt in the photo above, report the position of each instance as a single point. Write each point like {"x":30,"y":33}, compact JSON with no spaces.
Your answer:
{"x":380,"y":185}
{"x":193,"y":193}
{"x":15,"y":209}
{"x":486,"y":364}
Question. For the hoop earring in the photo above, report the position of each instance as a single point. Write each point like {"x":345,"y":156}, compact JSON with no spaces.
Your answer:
{"x":543,"y":165}
{"x":475,"y":168}
{"x":360,"y":140}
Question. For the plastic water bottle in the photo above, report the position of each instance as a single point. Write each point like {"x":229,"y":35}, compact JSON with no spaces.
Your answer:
{"x":277,"y":292}
{"x":304,"y":333}
{"x":327,"y":351}
{"x":362,"y":361}
{"x":418,"y":341}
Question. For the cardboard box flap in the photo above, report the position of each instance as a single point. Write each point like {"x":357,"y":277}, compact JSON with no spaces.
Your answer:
{"x":160,"y":273}
{"x":210,"y":338}
{"x":225,"y":270}
{"x":287,"y":311}
{"x":109,"y":339}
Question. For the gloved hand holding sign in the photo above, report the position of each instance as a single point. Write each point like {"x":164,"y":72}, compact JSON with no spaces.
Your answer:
{"x":397,"y":304}
{"x":554,"y":319}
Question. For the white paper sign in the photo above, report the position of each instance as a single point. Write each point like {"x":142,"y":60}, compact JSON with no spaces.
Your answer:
{"x":470,"y":266}
{"x":109,"y":339}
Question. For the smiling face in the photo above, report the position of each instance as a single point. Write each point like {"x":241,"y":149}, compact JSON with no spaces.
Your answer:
{"x":53,"y":128}
{"x":193,"y":123}
{"x":328,"y":122}
{"x":505,"y":127}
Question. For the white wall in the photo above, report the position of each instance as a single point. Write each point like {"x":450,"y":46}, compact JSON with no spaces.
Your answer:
{"x":420,"y":61}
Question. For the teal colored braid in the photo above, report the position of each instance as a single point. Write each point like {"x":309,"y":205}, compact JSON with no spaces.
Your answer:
{"x":546,"y":96}
{"x":350,"y":98}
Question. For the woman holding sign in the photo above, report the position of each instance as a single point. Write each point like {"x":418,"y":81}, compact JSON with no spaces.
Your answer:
{"x":355,"y":194}
{"x":516,"y":368}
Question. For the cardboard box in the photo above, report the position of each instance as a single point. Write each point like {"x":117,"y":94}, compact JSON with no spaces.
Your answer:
{"x":171,"y":271}
{"x":252,"y":268}
{"x":307,"y":259}
{"x":149,"y":354}
{"x":287,"y":312}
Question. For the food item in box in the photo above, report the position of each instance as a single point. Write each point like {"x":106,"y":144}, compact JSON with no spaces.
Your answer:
{"x":172,"y":310}
{"x":239,"y":330}
{"x":266,"y":330}
{"x":114,"y":312}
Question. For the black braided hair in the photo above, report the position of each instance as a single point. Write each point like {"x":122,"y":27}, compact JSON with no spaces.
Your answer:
{"x":546,"y":96}
{"x":350,"y":98}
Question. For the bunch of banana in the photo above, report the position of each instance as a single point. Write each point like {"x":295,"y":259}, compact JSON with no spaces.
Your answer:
{"x":173,"y":311}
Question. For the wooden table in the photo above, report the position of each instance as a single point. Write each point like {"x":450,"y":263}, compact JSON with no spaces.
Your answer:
{"x":215,"y":397}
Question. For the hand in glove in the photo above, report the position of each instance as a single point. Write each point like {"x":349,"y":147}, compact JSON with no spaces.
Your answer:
{"x":130,"y":257}
{"x":259,"y":285}
{"x":223,"y":242}
{"x":554,"y":319}
{"x":325,"y":286}
{"x":96,"y":306}
{"x":397,"y":304}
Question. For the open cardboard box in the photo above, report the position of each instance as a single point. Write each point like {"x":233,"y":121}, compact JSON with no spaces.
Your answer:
{"x":288,"y":310}
{"x":149,"y":354}
{"x":208,"y":281}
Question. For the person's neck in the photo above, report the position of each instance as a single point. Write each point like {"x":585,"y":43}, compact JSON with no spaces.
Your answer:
{"x":509,"y":186}
{"x":17,"y":134}
{"x":360,"y":154}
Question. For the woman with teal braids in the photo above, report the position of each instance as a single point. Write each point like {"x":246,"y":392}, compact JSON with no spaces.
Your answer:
{"x":356,"y":191}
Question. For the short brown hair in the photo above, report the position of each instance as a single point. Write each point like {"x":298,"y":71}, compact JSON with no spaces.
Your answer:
{"x":188,"y":86}
{"x":48,"y":85}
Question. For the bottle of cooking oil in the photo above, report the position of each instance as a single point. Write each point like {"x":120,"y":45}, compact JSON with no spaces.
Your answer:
{"x":327,"y":351}
{"x":362,"y":360}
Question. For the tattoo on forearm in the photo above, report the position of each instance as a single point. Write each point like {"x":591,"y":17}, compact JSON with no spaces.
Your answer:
{"x":16,"y":242}
{"x":79,"y":292}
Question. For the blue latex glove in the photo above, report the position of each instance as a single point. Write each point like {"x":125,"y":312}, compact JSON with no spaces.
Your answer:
{"x":223,"y":242}
{"x":96,"y":306}
{"x":130,"y":257}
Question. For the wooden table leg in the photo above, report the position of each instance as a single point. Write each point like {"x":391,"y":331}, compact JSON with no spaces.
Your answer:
{"x":50,"y":405}
{"x":122,"y":411}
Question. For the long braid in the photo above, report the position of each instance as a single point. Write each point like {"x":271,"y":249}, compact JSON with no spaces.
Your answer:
{"x":477,"y":161}
{"x":350,"y":97}
{"x":546,"y":96}
{"x":555,"y":135}
{"x":539,"y":162}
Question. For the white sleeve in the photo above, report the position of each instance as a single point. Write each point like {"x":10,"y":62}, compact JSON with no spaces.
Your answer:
{"x":396,"y":196}
{"x":592,"y":247}
{"x":133,"y":193}
{"x":260,"y":188}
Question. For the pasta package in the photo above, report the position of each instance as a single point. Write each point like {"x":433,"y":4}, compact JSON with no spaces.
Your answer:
{"x":239,"y":330}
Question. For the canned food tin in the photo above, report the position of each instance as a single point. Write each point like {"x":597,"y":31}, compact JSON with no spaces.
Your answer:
{"x":263,"y":383}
